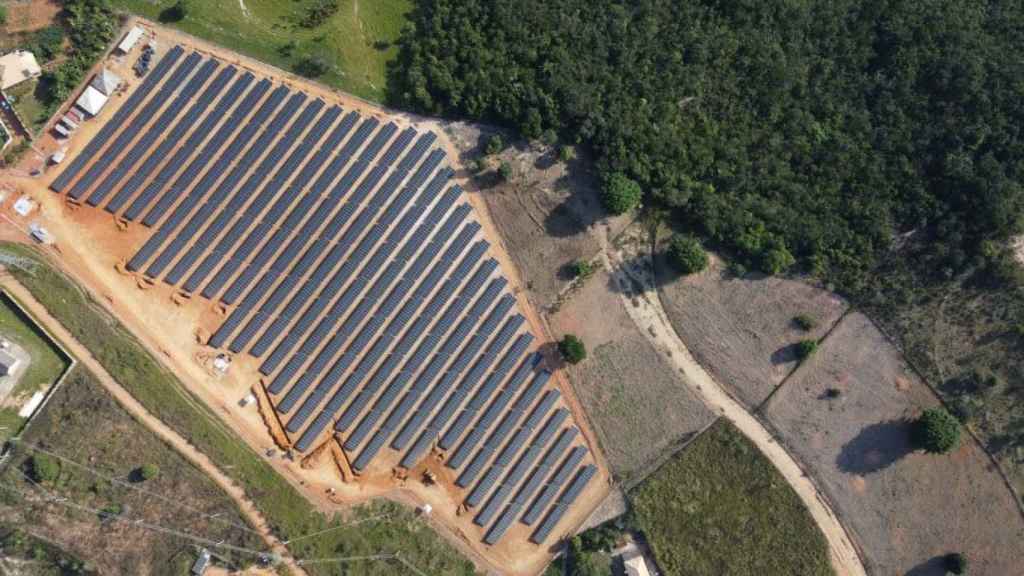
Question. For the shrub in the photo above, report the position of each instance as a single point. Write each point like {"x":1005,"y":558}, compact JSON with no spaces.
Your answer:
{"x":833,"y":393}
{"x":318,"y":13}
{"x":805,"y":322}
{"x":47,"y":43}
{"x":3,"y":15}
{"x":776,"y":260}
{"x":177,"y":12}
{"x":936,"y":431}
{"x":806,"y":348}
{"x":955,"y":563}
{"x":620,"y":194}
{"x":44,"y":468}
{"x":687,"y":255}
{"x":506,"y":171}
{"x":566,"y":153}
{"x":311,"y":67}
{"x":149,"y":471}
{"x":582,"y":269}
{"x":572,"y":349}
{"x":495,"y":145}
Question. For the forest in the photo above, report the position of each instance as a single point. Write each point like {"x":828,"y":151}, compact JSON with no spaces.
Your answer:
{"x":822,"y":128}
{"x":875,"y":145}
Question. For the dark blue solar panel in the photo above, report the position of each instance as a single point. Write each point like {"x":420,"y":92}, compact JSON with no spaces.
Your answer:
{"x":103,"y":136}
{"x":551,"y":520}
{"x":554,"y":484}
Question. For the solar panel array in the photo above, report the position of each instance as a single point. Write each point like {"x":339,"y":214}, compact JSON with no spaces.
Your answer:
{"x":351,"y":267}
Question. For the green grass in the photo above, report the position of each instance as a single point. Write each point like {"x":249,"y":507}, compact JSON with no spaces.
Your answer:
{"x":288,"y":512}
{"x":357,"y":47}
{"x":48,"y":362}
{"x":28,"y":104}
{"x":10,"y":423}
{"x":720,"y":507}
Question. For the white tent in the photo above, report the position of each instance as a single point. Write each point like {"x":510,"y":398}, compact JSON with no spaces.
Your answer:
{"x":106,"y":82}
{"x":130,"y":39}
{"x":91,"y":101}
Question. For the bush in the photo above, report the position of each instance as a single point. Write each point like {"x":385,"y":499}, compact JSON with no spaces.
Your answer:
{"x":687,"y":255}
{"x":806,"y":348}
{"x":3,"y":15}
{"x":149,"y":471}
{"x":506,"y":171}
{"x":582,"y":269}
{"x":620,"y":194}
{"x":495,"y":145}
{"x":311,"y":67}
{"x":955,"y":563}
{"x":805,"y":322}
{"x":176,"y":13}
{"x":572,"y":349}
{"x":44,"y":468}
{"x":936,"y":431}
{"x":776,"y":260}
{"x":567,"y":153}
{"x":47,"y":43}
{"x":318,"y":13}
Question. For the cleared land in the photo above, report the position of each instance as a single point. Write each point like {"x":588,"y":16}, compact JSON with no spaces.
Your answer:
{"x":356,"y":42}
{"x":742,"y":329}
{"x":104,"y":450}
{"x":905,"y":508}
{"x":719,"y":507}
{"x":640,"y":407}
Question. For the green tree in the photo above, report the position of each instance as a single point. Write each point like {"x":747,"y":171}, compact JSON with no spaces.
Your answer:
{"x":955,"y":563}
{"x":566,"y":153}
{"x":686,"y":254}
{"x":44,"y":468}
{"x":149,"y":471}
{"x":936,"y":431}
{"x":805,"y":322}
{"x":505,"y":170}
{"x":806,"y":348}
{"x":582,"y":269}
{"x":47,"y":43}
{"x":178,"y":12}
{"x":620,"y":193}
{"x":776,"y":260}
{"x":495,"y":145}
{"x":311,"y":67}
{"x":572,"y":349}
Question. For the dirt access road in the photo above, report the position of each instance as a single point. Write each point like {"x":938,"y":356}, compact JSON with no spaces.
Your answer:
{"x":197,"y":458}
{"x":632,"y":268}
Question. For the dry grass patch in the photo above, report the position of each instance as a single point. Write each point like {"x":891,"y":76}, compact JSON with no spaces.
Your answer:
{"x":905,"y":508}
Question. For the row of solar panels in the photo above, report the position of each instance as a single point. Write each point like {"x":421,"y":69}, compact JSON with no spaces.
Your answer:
{"x":462,"y":345}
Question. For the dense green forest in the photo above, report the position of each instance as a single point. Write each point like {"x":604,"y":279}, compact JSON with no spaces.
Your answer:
{"x":821,"y":128}
{"x":874,"y":144}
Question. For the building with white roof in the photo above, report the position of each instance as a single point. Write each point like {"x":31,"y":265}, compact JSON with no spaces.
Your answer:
{"x":106,"y":82}
{"x":16,"y":67}
{"x":91,"y":101}
{"x":129,"y":40}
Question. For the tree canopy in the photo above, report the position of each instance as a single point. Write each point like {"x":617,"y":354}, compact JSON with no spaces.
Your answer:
{"x":810,"y":133}
{"x":936,"y":431}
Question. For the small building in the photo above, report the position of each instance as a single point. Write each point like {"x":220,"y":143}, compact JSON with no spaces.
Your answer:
{"x":58,"y":156}
{"x":634,"y":564}
{"x":16,"y":67}
{"x":106,"y":82}
{"x":8,"y":363}
{"x":129,"y":40}
{"x":91,"y":101}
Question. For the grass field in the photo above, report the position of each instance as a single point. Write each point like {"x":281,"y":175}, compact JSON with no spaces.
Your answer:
{"x":356,"y":42}
{"x":79,"y":424}
{"x":28,"y":105}
{"x":48,"y":362}
{"x":290,"y":515}
{"x":721,"y":508}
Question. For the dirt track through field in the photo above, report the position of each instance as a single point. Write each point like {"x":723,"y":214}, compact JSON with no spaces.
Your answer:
{"x":632,"y":268}
{"x":165,"y":433}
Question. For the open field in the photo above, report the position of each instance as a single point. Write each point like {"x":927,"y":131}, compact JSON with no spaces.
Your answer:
{"x":356,"y":42}
{"x":719,"y":507}
{"x":48,"y":362}
{"x":28,"y":105}
{"x":640,"y":407}
{"x":291,"y":514}
{"x":104,"y":449}
{"x":741,"y":329}
{"x":188,"y":298}
{"x":905,"y":508}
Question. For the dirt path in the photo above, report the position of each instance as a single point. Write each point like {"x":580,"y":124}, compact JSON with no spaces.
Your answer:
{"x":193,"y":455}
{"x":632,"y":267}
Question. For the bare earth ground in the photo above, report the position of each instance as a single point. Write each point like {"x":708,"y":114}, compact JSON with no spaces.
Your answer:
{"x":741,"y":329}
{"x":641,"y":407}
{"x":89,"y":248}
{"x":906,"y":508}
{"x":27,"y":15}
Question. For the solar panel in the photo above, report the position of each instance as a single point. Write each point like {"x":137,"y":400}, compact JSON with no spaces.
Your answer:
{"x":582,"y":478}
{"x":554,"y":484}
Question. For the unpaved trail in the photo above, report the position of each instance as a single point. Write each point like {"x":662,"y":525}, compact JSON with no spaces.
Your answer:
{"x":632,"y":268}
{"x":139,"y":412}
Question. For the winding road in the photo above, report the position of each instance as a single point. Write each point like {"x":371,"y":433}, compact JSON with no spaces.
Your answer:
{"x":632,"y":268}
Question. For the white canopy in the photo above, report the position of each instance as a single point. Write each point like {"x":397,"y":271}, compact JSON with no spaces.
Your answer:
{"x":92,"y":100}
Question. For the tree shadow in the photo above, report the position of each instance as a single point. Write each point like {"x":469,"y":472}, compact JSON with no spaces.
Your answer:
{"x":934,"y":567}
{"x":567,"y":272}
{"x":785,"y":355}
{"x":876,"y":447}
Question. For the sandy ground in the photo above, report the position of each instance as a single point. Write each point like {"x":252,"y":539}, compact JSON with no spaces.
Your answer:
{"x":741,"y":329}
{"x":631,"y":263}
{"x":25,"y":16}
{"x":906,"y":508}
{"x":90,"y":247}
{"x":169,"y":436}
